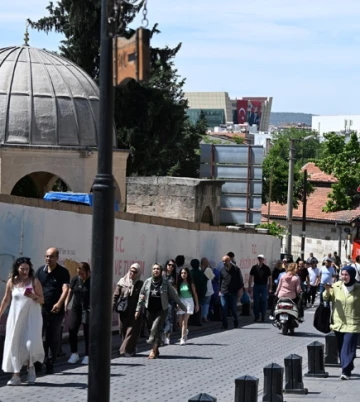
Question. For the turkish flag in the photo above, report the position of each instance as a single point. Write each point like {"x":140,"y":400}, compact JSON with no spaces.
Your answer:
{"x":242,"y":106}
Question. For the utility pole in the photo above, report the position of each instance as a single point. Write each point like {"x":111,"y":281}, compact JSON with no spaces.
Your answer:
{"x":303,"y":237}
{"x":289,"y":215}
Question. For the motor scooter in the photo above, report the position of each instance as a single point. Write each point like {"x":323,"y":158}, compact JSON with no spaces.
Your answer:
{"x":286,"y":316}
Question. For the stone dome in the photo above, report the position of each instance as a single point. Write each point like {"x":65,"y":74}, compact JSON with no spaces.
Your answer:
{"x":46,"y":100}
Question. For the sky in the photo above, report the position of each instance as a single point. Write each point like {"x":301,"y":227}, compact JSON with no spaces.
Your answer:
{"x":303,"y":53}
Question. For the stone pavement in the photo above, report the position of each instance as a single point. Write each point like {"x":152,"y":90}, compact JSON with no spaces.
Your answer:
{"x":210,"y":362}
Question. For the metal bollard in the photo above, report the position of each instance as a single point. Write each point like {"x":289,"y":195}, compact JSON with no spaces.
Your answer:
{"x":273,"y":383}
{"x":316,"y":362}
{"x":331,"y":351}
{"x":293,"y":375}
{"x":246,"y":389}
{"x":202,"y":398}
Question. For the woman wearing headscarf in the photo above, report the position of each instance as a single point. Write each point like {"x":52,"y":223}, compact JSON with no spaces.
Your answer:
{"x":128,"y":288}
{"x":154,"y":297}
{"x":345,"y":297}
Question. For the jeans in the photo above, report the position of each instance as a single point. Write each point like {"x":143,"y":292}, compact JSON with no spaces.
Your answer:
{"x":169,"y":320}
{"x":321,"y":290}
{"x":51,"y":333}
{"x":75,"y":318}
{"x":260,"y":291}
{"x":205,"y":304}
{"x":229,"y":300}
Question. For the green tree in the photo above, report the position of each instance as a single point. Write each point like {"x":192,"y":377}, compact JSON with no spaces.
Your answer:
{"x":342,"y":159}
{"x":276,"y":165}
{"x":151,"y":118}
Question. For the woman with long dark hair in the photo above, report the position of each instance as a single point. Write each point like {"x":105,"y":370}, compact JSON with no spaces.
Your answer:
{"x":170,"y":275}
{"x":23,"y":341}
{"x":80,"y":311}
{"x":187,"y":292}
{"x":128,"y":288}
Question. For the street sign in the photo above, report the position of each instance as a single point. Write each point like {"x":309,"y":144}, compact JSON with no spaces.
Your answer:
{"x":131,"y":57}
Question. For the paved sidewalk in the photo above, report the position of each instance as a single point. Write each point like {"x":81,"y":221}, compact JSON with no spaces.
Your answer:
{"x":209,"y":363}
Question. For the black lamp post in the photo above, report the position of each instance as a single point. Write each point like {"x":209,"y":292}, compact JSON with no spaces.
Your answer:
{"x":103,"y":212}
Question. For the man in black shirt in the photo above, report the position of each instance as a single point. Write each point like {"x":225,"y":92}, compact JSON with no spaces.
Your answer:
{"x":260,"y":274}
{"x":231,"y":283}
{"x":55,"y":281}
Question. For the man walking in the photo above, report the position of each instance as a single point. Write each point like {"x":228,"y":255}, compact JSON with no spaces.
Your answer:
{"x":231,"y":283}
{"x":55,"y":280}
{"x":327,"y":275}
{"x":260,"y":274}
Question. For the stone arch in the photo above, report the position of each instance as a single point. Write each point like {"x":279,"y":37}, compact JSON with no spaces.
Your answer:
{"x":36,"y":184}
{"x":207,"y":216}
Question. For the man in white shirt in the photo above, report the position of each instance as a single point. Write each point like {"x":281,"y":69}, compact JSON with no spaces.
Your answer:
{"x":314,"y":276}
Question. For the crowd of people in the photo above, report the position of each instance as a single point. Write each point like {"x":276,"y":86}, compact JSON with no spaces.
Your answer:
{"x":169,"y":300}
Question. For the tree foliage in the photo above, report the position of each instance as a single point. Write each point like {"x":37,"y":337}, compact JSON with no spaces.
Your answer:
{"x":151,"y":118}
{"x":342,"y":159}
{"x":276,"y":165}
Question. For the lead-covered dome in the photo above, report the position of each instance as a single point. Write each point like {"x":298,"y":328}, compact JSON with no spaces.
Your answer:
{"x":46,"y":99}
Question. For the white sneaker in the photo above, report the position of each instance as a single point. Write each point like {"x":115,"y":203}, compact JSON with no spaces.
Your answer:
{"x":74,"y":358}
{"x":14,"y":380}
{"x":31,"y":375}
{"x":85,"y":360}
{"x":271,"y":318}
{"x":167,"y":341}
{"x":182,"y":341}
{"x":344,"y":377}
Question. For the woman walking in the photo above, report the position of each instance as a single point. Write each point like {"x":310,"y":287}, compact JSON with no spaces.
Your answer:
{"x":125,"y":300}
{"x":187,"y":293}
{"x":80,"y":311}
{"x":23,"y":341}
{"x":154,"y":296}
{"x":170,"y":275}
{"x":345,"y":297}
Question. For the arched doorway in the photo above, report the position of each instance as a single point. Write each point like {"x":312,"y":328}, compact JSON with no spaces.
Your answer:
{"x":207,"y":216}
{"x":36,"y":184}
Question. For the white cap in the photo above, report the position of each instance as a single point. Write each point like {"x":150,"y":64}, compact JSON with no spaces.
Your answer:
{"x":261,"y":256}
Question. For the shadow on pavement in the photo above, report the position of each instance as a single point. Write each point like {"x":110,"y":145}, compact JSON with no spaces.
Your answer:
{"x":163,"y":357}
{"x":78,"y":385}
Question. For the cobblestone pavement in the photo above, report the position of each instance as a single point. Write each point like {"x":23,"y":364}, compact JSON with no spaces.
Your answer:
{"x":209,"y":363}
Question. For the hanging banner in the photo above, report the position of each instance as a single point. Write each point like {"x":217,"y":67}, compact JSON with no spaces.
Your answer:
{"x":356,"y":249}
{"x":241,"y":107}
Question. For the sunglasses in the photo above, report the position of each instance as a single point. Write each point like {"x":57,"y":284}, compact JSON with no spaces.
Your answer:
{"x":133,"y":272}
{"x":23,"y":260}
{"x":171,"y":265}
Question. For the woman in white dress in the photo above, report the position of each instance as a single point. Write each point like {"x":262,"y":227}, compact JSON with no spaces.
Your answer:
{"x":23,"y":340}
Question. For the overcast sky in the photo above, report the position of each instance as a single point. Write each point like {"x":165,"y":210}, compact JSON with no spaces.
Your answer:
{"x":306,"y":54}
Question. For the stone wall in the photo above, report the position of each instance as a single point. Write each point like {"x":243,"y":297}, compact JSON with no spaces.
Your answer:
{"x":187,"y":199}
{"x":321,"y":238}
{"x":76,"y":167}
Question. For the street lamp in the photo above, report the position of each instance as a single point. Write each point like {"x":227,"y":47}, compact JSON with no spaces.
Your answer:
{"x":289,"y":215}
{"x":103,"y":213}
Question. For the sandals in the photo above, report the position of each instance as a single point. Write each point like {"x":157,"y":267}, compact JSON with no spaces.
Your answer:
{"x":153,"y":354}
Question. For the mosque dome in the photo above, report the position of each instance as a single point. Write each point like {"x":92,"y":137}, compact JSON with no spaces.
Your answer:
{"x":46,"y":100}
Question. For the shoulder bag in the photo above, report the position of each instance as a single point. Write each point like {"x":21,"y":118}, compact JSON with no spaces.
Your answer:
{"x":122,"y":305}
{"x":322,"y":318}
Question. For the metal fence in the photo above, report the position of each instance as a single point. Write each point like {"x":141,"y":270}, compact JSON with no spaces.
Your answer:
{"x":241,"y":167}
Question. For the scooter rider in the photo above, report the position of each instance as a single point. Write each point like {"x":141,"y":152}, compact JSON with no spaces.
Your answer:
{"x":290,"y":287}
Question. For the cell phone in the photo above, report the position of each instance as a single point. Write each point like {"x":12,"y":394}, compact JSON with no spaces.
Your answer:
{"x":28,"y":290}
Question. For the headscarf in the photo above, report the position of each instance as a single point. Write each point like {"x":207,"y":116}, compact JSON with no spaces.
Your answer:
{"x":128,"y":283}
{"x":352,"y":273}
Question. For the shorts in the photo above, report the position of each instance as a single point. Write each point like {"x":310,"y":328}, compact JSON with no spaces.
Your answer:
{"x":189,"y":304}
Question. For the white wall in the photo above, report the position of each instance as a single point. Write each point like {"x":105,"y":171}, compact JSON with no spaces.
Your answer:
{"x":29,"y":231}
{"x":335,"y":123}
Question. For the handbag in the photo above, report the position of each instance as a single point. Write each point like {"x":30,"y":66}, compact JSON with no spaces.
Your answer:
{"x":122,"y":305}
{"x":322,"y":318}
{"x":245,"y":298}
{"x":85,"y":317}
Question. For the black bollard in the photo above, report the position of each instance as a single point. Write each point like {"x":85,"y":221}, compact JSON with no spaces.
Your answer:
{"x":316,"y":362}
{"x":293,"y":375}
{"x":246,"y":389}
{"x":202,"y":398}
{"x":273,"y":383}
{"x":331,"y":351}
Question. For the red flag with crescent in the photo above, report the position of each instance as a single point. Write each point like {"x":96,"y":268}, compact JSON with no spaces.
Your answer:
{"x":242,"y":106}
